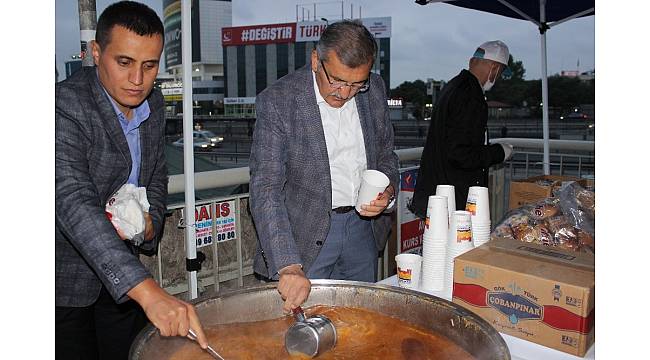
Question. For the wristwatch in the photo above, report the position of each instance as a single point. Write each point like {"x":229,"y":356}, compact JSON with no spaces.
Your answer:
{"x":391,"y":200}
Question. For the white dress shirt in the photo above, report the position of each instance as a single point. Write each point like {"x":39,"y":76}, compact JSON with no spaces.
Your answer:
{"x":345,"y":148}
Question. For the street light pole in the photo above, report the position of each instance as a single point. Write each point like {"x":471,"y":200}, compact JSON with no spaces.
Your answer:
{"x":87,"y":26}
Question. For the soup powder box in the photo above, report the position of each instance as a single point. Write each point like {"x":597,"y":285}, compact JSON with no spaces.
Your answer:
{"x":530,"y":291}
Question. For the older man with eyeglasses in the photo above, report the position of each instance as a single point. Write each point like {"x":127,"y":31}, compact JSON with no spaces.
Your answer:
{"x":317,"y":130}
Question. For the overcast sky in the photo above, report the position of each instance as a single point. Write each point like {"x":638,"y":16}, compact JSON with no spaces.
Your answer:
{"x":432,"y":41}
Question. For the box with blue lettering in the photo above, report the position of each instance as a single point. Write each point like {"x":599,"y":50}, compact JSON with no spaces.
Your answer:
{"x":530,"y":291}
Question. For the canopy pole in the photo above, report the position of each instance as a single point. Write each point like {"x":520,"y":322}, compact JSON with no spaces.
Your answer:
{"x":188,"y":145}
{"x":542,"y":30}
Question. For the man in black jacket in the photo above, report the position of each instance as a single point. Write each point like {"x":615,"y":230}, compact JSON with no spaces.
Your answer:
{"x":457,"y":151}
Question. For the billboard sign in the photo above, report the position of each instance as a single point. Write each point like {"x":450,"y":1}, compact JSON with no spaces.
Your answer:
{"x":238,"y":100}
{"x":259,"y":34}
{"x":395,"y":103}
{"x":172,"y":11}
{"x":224,"y":223}
{"x":379,"y":27}
{"x":309,"y":30}
{"x":172,"y":24}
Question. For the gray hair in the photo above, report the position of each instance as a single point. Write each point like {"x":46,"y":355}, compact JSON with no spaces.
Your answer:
{"x":351,"y":42}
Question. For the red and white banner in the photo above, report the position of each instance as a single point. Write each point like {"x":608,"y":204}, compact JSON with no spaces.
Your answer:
{"x":225,"y":223}
{"x":411,"y":227}
{"x":379,"y":27}
{"x":309,"y":30}
{"x":259,"y":34}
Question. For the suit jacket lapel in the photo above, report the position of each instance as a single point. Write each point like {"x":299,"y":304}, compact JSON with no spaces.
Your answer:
{"x":109,"y":119}
{"x":308,"y":115}
{"x":367,"y":128}
{"x":146,"y":146}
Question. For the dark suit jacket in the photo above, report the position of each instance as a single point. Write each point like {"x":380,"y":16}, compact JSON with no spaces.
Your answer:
{"x":92,"y":162}
{"x":455,"y":152}
{"x":290,"y":187}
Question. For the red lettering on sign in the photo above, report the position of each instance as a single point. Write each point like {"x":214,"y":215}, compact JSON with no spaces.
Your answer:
{"x":225,"y":209}
{"x":203,"y":214}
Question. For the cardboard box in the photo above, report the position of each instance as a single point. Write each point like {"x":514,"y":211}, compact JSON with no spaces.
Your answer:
{"x":530,"y":291}
{"x":588,"y":183}
{"x":526,"y":191}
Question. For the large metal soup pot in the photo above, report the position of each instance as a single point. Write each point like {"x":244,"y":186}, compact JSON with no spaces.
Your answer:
{"x":259,"y":303}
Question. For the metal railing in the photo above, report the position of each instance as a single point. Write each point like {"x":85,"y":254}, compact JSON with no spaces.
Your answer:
{"x":568,"y":157}
{"x":525,"y":154}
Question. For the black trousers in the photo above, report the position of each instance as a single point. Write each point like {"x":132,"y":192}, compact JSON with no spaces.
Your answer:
{"x":101,"y":331}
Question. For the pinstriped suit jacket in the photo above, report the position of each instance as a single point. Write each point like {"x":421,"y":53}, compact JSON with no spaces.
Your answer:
{"x":92,"y":162}
{"x":290,"y":186}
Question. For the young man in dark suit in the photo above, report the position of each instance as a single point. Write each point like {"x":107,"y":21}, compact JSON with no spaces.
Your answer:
{"x":110,"y":131}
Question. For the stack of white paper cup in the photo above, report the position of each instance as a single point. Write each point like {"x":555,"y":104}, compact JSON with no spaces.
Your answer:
{"x":434,"y":247}
{"x":408,"y":270}
{"x":373,"y":183}
{"x":478,"y":203}
{"x":450,"y":193}
{"x":459,"y":242}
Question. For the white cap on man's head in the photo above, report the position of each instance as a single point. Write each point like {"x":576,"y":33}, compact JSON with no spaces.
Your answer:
{"x":495,"y":50}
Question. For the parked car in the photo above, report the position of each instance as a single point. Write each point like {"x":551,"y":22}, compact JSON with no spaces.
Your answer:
{"x":203,"y":140}
{"x":574,"y":116}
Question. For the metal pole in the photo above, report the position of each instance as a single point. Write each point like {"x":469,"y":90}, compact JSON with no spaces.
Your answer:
{"x":215,"y":250}
{"x":546,"y":161}
{"x":399,"y":221}
{"x":87,"y":26}
{"x":314,"y":11}
{"x":377,"y":64}
{"x":159,"y":263}
{"x":240,"y":258}
{"x":296,"y":12}
{"x":188,"y":141}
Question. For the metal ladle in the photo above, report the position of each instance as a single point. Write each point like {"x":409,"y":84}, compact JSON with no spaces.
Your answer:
{"x":309,"y":336}
{"x":192,"y":336}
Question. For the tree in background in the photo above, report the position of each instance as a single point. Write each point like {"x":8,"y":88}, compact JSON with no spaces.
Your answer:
{"x":565,"y":93}
{"x":513,"y":89}
{"x":517,"y":69}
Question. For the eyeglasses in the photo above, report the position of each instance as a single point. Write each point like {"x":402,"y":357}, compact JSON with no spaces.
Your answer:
{"x":354,"y":87}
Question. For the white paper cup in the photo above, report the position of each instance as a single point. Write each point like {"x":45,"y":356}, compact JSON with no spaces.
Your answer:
{"x":408,"y":270}
{"x":373,"y":183}
{"x":450,"y":192}
{"x":480,"y":242}
{"x":433,"y":269}
{"x":461,"y":227}
{"x":436,"y":224}
{"x":478,"y":203}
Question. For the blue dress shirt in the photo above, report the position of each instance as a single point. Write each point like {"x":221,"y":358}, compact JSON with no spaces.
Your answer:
{"x":132,"y":133}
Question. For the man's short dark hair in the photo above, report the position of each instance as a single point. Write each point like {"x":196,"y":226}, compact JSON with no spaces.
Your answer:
{"x":134,"y":16}
{"x":351,"y":42}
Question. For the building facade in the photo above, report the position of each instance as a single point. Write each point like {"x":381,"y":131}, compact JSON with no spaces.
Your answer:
{"x":256,"y":56}
{"x":209,"y":17}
